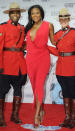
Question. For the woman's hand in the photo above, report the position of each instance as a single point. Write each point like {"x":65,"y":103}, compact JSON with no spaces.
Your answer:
{"x":52,"y":50}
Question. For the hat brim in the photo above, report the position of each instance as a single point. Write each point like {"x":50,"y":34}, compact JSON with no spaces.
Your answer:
{"x":14,"y":9}
{"x":57,"y":18}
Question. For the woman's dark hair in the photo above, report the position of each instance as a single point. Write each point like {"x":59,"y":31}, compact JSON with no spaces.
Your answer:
{"x":30,"y":22}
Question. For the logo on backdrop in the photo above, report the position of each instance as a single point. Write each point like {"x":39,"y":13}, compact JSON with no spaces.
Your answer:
{"x":69,"y":5}
{"x":56,"y":94}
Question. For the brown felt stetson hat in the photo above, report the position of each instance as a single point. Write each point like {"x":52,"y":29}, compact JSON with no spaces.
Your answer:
{"x":64,"y":13}
{"x":14,"y":7}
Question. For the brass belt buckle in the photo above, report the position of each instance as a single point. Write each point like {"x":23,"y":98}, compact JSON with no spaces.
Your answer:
{"x":62,"y":54}
{"x":13,"y":49}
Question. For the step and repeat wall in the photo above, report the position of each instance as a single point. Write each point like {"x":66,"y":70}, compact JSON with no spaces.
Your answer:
{"x":52,"y":89}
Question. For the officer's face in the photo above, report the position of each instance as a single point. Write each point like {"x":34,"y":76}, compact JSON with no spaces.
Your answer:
{"x":64,"y":22}
{"x":14,"y":16}
{"x":35,"y":15}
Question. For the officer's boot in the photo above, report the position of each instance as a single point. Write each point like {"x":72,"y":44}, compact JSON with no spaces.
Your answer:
{"x":2,"y":121}
{"x":67,"y":108}
{"x":72,"y":121}
{"x":15,"y":112}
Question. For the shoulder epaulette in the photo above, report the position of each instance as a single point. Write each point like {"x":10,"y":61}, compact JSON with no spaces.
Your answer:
{"x":3,"y":23}
{"x":57,"y":32}
{"x":20,"y":24}
{"x":72,"y":28}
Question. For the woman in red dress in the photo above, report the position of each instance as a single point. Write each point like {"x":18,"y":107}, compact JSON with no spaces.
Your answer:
{"x":38,"y":57}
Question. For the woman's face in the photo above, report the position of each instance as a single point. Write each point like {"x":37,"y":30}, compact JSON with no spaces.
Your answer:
{"x":14,"y":16}
{"x":35,"y":15}
{"x":64,"y":22}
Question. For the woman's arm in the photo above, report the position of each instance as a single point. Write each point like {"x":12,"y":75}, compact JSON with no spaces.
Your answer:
{"x":51,"y":33}
{"x":51,"y":49}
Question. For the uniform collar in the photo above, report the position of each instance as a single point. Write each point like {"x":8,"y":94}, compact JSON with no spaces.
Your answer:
{"x":66,"y":28}
{"x":10,"y":22}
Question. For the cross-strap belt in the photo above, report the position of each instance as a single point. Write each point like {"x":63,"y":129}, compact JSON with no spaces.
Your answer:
{"x":66,"y":54}
{"x":62,"y":36}
{"x":12,"y":49}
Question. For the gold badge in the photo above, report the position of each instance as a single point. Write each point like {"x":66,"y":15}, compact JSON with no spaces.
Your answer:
{"x":0,"y":34}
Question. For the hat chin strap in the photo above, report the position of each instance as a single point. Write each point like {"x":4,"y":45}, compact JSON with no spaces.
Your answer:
{"x":64,"y":24}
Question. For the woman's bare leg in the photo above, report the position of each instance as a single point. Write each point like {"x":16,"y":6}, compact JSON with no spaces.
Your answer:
{"x":42,"y":112}
{"x":37,"y":113}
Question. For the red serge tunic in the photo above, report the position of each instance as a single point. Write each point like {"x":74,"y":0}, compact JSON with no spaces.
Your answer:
{"x":11,"y":61}
{"x":38,"y":59}
{"x":66,"y":65}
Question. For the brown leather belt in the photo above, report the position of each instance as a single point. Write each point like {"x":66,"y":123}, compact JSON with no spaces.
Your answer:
{"x":12,"y":49}
{"x":66,"y":54}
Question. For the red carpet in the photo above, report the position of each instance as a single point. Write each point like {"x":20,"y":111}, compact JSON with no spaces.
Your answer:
{"x":54,"y":115}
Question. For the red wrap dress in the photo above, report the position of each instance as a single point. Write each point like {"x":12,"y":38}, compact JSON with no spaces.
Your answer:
{"x":38,"y":59}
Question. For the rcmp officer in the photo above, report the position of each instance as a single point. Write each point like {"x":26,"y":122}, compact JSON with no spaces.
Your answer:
{"x":12,"y":62}
{"x":65,"y":67}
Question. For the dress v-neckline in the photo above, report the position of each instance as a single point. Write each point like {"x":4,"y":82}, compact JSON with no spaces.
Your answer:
{"x":36,"y":32}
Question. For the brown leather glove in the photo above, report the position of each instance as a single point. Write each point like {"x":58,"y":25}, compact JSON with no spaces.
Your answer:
{"x":1,"y":70}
